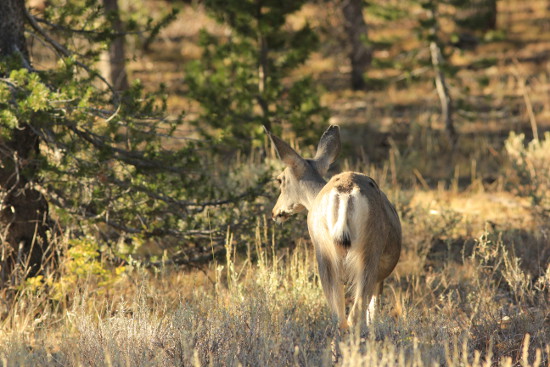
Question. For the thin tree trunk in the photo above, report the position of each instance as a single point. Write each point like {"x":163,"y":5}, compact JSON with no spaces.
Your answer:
{"x":479,"y":14}
{"x":440,"y":83}
{"x":356,"y":29}
{"x":262,"y":81}
{"x":491,"y":11}
{"x":23,"y":210}
{"x":117,"y":63}
{"x":443,"y":92}
{"x":263,"y":69}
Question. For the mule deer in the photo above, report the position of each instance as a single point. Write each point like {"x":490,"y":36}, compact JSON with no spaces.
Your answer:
{"x":353,"y":226}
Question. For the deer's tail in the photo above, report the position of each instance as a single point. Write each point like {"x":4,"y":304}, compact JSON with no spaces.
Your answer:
{"x":339,"y":225}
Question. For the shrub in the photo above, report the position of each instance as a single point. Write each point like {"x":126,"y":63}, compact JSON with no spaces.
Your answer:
{"x":531,"y":170}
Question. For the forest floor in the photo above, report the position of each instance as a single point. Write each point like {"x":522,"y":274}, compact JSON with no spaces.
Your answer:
{"x":472,"y":286}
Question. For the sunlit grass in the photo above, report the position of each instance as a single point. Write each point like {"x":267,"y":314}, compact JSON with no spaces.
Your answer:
{"x":454,"y":299}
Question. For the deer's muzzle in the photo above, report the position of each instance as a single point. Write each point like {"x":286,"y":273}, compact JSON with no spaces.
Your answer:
{"x":280,"y":217}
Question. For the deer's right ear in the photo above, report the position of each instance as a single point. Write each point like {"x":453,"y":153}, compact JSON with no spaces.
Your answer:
{"x":287,"y":154}
{"x":328,"y":149}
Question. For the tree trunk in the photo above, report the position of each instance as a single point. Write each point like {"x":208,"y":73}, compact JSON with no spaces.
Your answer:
{"x":478,"y":15}
{"x":442,"y":88}
{"x":491,"y":13}
{"x":443,"y":93}
{"x":263,"y":71}
{"x":356,"y":29}
{"x":23,"y":210}
{"x":12,"y":37}
{"x":117,"y":64}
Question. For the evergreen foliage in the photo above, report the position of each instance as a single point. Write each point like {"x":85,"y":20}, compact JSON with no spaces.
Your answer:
{"x":102,"y":157}
{"x":241,"y":82}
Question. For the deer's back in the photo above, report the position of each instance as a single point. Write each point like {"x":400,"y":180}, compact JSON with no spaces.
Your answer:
{"x":370,"y":221}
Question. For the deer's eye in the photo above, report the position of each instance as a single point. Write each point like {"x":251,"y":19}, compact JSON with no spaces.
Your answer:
{"x":279,"y":181}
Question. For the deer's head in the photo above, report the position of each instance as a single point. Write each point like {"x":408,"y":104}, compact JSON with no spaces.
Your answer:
{"x":302,"y":178}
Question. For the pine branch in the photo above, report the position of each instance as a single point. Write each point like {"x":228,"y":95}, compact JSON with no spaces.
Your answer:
{"x":56,"y":197}
{"x":134,"y":158}
{"x":63,"y":51}
{"x":58,"y":27}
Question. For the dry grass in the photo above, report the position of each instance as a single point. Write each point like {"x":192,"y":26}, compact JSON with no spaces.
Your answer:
{"x":477,"y":302}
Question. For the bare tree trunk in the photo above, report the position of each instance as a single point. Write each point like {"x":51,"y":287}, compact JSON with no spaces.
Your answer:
{"x":117,"y":64}
{"x":440,"y":82}
{"x":443,"y":92}
{"x":23,"y":210}
{"x":357,"y":32}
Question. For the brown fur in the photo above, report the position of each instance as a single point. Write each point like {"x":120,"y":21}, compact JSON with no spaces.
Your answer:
{"x":373,"y":252}
{"x":355,"y":229}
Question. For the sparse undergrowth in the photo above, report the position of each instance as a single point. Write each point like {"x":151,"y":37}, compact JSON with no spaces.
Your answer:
{"x":485,"y":304}
{"x":472,"y":289}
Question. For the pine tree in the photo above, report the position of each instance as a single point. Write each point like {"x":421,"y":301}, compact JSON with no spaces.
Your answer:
{"x":75,"y":150}
{"x":241,"y":82}
{"x":24,"y":211}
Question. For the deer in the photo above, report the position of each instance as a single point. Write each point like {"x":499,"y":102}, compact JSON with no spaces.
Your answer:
{"x":355,"y":230}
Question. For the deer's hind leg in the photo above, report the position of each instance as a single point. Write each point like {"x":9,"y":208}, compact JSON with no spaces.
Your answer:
{"x":330,"y":272}
{"x":364,"y":287}
{"x":375,"y":302}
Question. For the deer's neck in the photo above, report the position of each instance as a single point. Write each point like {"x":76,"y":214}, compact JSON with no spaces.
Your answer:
{"x":311,"y":190}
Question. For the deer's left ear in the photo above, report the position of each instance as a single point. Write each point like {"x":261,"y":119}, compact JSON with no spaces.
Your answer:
{"x":328,"y":149}
{"x":288,"y":155}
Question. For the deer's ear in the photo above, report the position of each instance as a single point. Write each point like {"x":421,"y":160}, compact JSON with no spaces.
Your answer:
{"x":288,"y":155}
{"x":328,"y":149}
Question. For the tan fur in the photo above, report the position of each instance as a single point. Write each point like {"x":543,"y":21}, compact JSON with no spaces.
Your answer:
{"x":353,"y":226}
{"x":375,"y":245}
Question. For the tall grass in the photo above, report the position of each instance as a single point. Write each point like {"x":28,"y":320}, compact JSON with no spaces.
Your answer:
{"x":480,"y":306}
{"x":470,"y":290}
